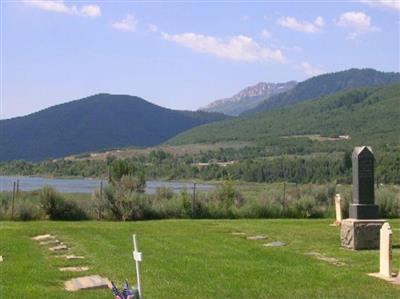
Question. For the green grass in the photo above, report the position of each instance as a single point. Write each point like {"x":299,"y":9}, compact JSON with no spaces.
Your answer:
{"x":194,"y":259}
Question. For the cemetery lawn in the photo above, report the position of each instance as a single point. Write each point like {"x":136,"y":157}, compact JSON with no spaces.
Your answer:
{"x":194,"y":259}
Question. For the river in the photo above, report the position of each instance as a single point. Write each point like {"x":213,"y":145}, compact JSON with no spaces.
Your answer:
{"x":86,"y":185}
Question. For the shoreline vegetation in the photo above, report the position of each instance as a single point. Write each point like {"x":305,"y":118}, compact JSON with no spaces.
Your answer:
{"x":125,"y":200}
{"x":282,"y":187}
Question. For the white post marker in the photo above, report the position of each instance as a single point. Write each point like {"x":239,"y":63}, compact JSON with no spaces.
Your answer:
{"x":385,"y":252}
{"x":137,"y":256}
{"x":338,"y":208}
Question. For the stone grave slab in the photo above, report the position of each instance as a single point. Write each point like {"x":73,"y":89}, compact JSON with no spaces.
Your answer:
{"x":1,"y":258}
{"x":70,"y":257}
{"x":322,"y":257}
{"x":87,"y":283}
{"x":51,"y":242}
{"x":74,"y":257}
{"x":58,"y":248}
{"x":257,"y":237}
{"x":73,"y":269}
{"x":275,"y":244}
{"x":43,"y":237}
{"x":238,"y":234}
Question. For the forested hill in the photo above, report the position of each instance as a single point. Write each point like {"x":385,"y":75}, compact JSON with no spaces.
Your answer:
{"x":327,"y":84}
{"x":368,"y":115}
{"x":97,"y":122}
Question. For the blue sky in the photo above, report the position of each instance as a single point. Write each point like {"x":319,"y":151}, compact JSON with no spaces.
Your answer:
{"x":183,"y":55}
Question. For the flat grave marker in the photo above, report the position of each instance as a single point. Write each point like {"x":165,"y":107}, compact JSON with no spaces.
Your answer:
{"x":275,"y":244}
{"x":322,"y":257}
{"x":74,"y":269}
{"x":59,"y":248}
{"x":257,"y":237}
{"x":87,"y":282}
{"x":43,"y":237}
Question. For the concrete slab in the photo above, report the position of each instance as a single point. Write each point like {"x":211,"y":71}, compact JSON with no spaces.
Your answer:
{"x":74,"y":257}
{"x":43,"y":237}
{"x":58,"y":248}
{"x":70,"y":257}
{"x":50,"y":242}
{"x":275,"y":244}
{"x":322,"y":257}
{"x":73,"y":269}
{"x":257,"y":237}
{"x":87,"y":282}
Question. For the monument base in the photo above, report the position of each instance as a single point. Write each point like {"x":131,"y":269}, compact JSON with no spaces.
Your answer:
{"x":359,"y":234}
{"x":364,"y":211}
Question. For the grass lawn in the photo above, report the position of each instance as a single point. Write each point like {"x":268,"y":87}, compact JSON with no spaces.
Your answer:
{"x":194,"y":259}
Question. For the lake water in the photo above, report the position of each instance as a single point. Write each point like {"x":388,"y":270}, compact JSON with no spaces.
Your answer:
{"x":86,"y":185}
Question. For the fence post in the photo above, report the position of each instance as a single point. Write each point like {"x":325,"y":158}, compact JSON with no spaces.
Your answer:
{"x":17,"y":195}
{"x":12,"y":202}
{"x":194,"y":200}
{"x":101,"y":200}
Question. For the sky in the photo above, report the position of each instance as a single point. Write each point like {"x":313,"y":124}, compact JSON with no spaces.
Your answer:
{"x":183,"y":54}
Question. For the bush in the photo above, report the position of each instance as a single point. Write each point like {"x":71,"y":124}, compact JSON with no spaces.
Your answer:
{"x":58,"y":208}
{"x":29,"y":211}
{"x":226,"y":195}
{"x":306,"y":207}
{"x":389,"y":203}
{"x":164,"y":193}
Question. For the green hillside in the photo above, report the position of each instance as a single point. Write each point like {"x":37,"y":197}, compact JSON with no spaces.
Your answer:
{"x":368,"y":115}
{"x":327,"y":84}
{"x":98,"y":122}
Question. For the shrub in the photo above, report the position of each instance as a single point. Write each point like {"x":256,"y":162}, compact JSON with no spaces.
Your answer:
{"x":164,"y":193}
{"x":58,"y":208}
{"x":389,"y":203}
{"x":306,"y":207}
{"x":29,"y":211}
{"x":226,"y":195}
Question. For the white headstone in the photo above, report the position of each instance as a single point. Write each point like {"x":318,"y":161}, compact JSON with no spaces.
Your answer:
{"x":338,"y":206}
{"x":385,"y":252}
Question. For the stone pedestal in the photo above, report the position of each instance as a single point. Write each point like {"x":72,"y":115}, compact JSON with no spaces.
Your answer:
{"x":361,"y":211}
{"x":360,"y":233}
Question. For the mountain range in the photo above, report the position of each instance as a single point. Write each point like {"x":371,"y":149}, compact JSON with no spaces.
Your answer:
{"x":326,"y":84}
{"x":248,"y":98}
{"x":363,"y":104}
{"x":365,"y":115}
{"x":97,"y":122}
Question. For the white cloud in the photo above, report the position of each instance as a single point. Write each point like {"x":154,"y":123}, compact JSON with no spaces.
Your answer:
{"x":302,"y":26}
{"x":59,"y":6}
{"x":152,"y":28}
{"x":266,"y":34}
{"x":240,"y":47}
{"x":391,"y":4}
{"x":310,"y":70}
{"x":91,"y":11}
{"x":358,"y":22}
{"x":129,"y":23}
